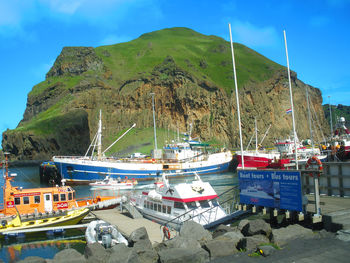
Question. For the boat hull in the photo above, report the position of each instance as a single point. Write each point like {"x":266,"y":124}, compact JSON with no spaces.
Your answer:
{"x":78,"y":170}
{"x":71,"y":218}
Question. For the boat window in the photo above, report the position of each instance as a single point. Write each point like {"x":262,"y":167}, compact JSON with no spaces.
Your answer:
{"x":48,"y":197}
{"x":164,"y":209}
{"x":73,"y":194}
{"x":37,"y":199}
{"x":179,"y":205}
{"x":26,"y":200}
{"x":191,"y":205}
{"x":155,"y":207}
{"x":204,"y":204}
{"x":145,"y":204}
{"x":63,"y":197}
{"x":168,"y":209}
{"x":55,"y":197}
{"x":70,"y":196}
{"x":17,"y":201}
{"x":159,"y":208}
{"x":214,"y":202}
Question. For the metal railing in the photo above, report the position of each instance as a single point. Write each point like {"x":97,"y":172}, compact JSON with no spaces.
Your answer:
{"x":230,"y":203}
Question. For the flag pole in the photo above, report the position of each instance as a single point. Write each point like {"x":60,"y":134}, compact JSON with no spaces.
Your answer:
{"x":291,"y":102}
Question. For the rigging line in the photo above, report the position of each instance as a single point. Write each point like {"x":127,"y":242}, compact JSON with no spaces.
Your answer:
{"x":21,"y":173}
{"x":317,"y":122}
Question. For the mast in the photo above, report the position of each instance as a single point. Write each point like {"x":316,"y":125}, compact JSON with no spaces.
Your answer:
{"x":291,"y":103}
{"x":154,"y":123}
{"x":237,"y":99}
{"x":99,"y":138}
{"x":330,"y":115}
{"x":309,"y":117}
{"x":256,"y":136}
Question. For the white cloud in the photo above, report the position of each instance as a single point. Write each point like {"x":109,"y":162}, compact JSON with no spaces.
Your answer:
{"x":254,"y":36}
{"x":15,"y":15}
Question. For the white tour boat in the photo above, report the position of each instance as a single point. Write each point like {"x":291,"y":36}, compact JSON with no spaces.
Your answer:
{"x":112,"y":183}
{"x":174,"y":204}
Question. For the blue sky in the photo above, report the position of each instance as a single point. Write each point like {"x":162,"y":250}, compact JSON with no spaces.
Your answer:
{"x":33,"y":33}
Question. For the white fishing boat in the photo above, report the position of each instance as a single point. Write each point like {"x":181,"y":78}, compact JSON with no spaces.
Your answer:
{"x":174,"y":204}
{"x":98,"y":231}
{"x":112,"y":183}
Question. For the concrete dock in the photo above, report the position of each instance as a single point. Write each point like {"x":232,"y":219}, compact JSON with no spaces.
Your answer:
{"x":127,"y":225}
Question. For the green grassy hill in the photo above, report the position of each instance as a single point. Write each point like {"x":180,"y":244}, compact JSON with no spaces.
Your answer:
{"x":87,"y":78}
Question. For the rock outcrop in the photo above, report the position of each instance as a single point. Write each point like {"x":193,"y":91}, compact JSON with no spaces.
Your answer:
{"x":85,"y":80}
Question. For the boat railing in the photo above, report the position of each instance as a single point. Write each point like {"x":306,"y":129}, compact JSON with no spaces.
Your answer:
{"x":202,"y":218}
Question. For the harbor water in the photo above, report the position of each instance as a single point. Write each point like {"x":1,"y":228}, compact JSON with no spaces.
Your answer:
{"x":46,"y":246}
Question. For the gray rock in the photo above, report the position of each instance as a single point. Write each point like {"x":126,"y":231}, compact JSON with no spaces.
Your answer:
{"x":120,"y":253}
{"x":147,"y":255}
{"x":243,"y":226}
{"x":251,"y":243}
{"x":68,"y":255}
{"x":282,"y":235}
{"x":31,"y":260}
{"x":220,"y":248}
{"x":235,"y":236}
{"x":267,"y":250}
{"x":191,"y":229}
{"x":222,"y":229}
{"x":176,"y":255}
{"x":96,"y":253}
{"x":181,"y":242}
{"x":343,"y":235}
{"x":138,"y":234}
{"x":143,"y":244}
{"x":255,"y":227}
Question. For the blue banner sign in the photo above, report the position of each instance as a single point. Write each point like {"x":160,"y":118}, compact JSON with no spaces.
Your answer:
{"x":276,"y":189}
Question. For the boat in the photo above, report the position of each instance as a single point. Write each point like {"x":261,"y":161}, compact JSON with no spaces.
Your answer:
{"x":182,"y":157}
{"x":111,"y":183}
{"x":339,"y":143}
{"x":172,"y":205}
{"x":20,"y":223}
{"x":47,"y":200}
{"x":98,"y":231}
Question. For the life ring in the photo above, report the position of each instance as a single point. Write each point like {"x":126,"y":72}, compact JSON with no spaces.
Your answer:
{"x":153,"y":160}
{"x":166,"y":232}
{"x":314,"y":161}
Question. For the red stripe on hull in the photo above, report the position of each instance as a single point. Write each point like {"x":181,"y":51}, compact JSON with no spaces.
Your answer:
{"x":186,"y":200}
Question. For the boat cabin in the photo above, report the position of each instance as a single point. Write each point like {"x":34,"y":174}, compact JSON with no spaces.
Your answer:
{"x":37,"y":200}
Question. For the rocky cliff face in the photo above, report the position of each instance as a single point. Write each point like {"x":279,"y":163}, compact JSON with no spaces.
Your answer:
{"x":181,"y":98}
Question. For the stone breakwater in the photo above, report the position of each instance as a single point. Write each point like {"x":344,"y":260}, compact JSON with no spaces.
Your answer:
{"x":194,"y":244}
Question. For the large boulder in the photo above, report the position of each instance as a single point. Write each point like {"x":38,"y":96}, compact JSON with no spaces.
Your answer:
{"x":222,"y":229}
{"x":138,"y":234}
{"x":176,"y":255}
{"x":282,"y":235}
{"x":96,"y":253}
{"x":120,"y":253}
{"x":145,"y":251}
{"x":251,"y":243}
{"x":179,"y":242}
{"x":69,"y":255}
{"x":233,"y":236}
{"x":191,"y":229}
{"x":255,"y":227}
{"x":220,"y":248}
